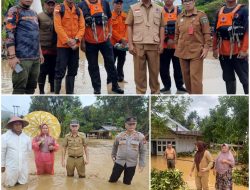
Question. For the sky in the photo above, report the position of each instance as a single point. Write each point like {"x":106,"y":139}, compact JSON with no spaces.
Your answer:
{"x":201,"y":104}
{"x":7,"y":102}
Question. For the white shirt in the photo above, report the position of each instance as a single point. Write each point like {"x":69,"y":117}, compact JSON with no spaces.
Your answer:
{"x":15,"y":152}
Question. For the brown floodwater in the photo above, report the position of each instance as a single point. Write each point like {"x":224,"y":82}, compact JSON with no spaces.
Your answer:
{"x":97,"y":173}
{"x":184,"y":165}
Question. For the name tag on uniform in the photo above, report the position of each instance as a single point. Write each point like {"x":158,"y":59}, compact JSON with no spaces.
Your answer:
{"x":191,"y":30}
{"x":122,"y":142}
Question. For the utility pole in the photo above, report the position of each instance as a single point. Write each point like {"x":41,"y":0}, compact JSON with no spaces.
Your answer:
{"x":16,"y":110}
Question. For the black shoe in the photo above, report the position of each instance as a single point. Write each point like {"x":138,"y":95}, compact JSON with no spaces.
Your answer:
{"x":97,"y":92}
{"x":117,"y":90}
{"x":165,"y":90}
{"x":41,"y":88}
{"x":52,"y":88}
{"x":182,"y":89}
{"x":231,"y":87}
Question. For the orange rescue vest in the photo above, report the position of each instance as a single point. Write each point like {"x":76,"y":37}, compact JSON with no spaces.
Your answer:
{"x":226,"y":19}
{"x":95,"y":8}
{"x":170,"y":16}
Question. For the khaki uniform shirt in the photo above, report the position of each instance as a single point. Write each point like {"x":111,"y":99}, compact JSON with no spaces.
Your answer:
{"x":127,"y":149}
{"x":130,"y":21}
{"x":192,"y":34}
{"x":206,"y":162}
{"x":75,"y":144}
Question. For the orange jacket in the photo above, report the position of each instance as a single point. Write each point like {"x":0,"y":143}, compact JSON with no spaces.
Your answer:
{"x":70,"y":25}
{"x":89,"y":33}
{"x":226,"y":20}
{"x":170,"y":17}
{"x":119,"y":28}
{"x":225,"y":45}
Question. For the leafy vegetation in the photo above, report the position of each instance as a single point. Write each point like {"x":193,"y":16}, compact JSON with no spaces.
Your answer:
{"x":106,"y":110}
{"x":241,"y":176}
{"x":168,"y":179}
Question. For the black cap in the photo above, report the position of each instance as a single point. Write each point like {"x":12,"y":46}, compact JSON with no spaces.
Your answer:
{"x":118,"y":1}
{"x":50,"y":1}
{"x":131,"y":119}
{"x":74,"y":122}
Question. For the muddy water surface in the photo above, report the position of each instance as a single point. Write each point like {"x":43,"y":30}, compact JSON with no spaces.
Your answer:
{"x":184,"y":165}
{"x":97,"y":173}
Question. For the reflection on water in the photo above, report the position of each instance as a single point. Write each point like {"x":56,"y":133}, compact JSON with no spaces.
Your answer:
{"x":83,"y":83}
{"x":184,"y":165}
{"x":97,"y":173}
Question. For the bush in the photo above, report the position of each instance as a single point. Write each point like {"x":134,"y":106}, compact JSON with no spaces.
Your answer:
{"x":168,"y":179}
{"x":243,"y":155}
{"x":185,"y":154}
{"x":241,"y":176}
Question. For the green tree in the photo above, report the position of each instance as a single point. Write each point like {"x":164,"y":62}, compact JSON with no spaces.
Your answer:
{"x":116,"y":108}
{"x":163,"y":107}
{"x":64,"y":108}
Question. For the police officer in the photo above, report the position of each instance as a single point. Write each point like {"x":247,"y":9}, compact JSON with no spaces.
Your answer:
{"x":48,"y":45}
{"x":170,"y":13}
{"x":231,"y":43}
{"x":76,"y":145}
{"x":70,"y":26}
{"x":193,"y":39}
{"x":128,"y":146}
{"x":97,"y":38}
{"x":24,"y":51}
{"x":119,"y":37}
{"x":146,"y":37}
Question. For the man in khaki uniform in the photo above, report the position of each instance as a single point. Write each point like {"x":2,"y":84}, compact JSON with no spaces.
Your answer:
{"x":170,"y":156}
{"x":193,"y":39}
{"x":75,"y":143}
{"x":145,"y":38}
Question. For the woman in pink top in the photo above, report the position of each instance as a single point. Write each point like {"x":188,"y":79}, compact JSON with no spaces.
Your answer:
{"x":223,"y":167}
{"x":44,"y":147}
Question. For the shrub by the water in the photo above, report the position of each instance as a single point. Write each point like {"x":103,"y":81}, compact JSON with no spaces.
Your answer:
{"x":241,"y":176}
{"x":167,"y":180}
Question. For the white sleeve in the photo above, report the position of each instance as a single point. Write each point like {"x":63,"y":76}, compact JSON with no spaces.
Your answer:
{"x":29,"y":148}
{"x":4,"y":150}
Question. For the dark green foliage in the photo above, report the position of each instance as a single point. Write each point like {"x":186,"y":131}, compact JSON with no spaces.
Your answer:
{"x":107,"y":110}
{"x":167,"y":180}
{"x":185,"y":154}
{"x":241,"y":176}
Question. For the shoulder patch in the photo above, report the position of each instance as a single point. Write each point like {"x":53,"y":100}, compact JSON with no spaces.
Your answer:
{"x":204,"y":20}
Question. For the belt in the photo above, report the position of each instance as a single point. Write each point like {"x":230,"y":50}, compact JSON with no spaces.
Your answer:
{"x":75,"y":156}
{"x":170,"y":159}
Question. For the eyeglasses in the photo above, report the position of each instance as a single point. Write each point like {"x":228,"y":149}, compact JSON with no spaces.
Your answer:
{"x":187,"y":1}
{"x":130,"y":124}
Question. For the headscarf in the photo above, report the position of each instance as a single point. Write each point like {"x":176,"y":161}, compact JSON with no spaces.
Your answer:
{"x":220,"y":167}
{"x":199,"y":154}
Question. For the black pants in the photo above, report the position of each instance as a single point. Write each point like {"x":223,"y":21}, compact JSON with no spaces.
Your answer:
{"x":106,"y":50}
{"x":232,"y":66}
{"x":66,"y":58}
{"x":165,"y":59}
{"x":120,"y":56}
{"x":129,"y":173}
{"x":47,"y":68}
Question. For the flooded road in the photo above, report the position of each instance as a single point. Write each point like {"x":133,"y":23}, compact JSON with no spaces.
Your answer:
{"x":212,"y":79}
{"x":98,"y":172}
{"x":184,"y":165}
